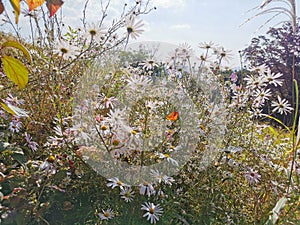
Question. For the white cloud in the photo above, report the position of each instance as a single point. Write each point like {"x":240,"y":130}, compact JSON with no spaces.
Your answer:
{"x":180,"y":26}
{"x":169,"y":3}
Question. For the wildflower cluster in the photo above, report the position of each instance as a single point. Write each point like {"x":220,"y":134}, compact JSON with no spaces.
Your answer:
{"x":105,"y":132}
{"x":127,"y":193}
{"x":256,"y":91}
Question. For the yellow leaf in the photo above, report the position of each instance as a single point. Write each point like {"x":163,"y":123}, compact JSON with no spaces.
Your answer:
{"x":18,"y":46}
{"x":16,"y":5}
{"x":18,"y":111}
{"x":15,"y":71}
{"x":13,"y":110}
{"x":32,"y":4}
{"x":272,"y":130}
{"x":7,"y":109}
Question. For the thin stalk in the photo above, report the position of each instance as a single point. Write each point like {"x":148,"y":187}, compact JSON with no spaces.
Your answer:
{"x":102,"y":139}
{"x":31,"y":29}
{"x":293,"y":135}
{"x":205,"y":58}
{"x":241,"y":63}
{"x":84,"y":13}
{"x":293,"y":15}
{"x":12,"y":24}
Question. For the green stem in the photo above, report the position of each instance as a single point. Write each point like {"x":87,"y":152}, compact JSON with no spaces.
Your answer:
{"x":293,"y":134}
{"x":102,"y":139}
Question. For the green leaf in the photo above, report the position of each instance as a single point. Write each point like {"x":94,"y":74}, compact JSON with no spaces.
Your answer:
{"x":20,"y":218}
{"x":18,"y":46}
{"x":3,"y":146}
{"x":16,"y":5}
{"x":60,"y":175}
{"x":15,"y":71}
{"x":20,"y":158}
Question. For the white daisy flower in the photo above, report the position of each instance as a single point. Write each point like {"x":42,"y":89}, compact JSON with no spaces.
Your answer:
{"x":134,"y":27}
{"x":96,"y":32}
{"x":184,"y":51}
{"x":14,"y":100}
{"x":252,"y":176}
{"x":282,"y":106}
{"x":262,"y":69}
{"x":152,"y":211}
{"x":137,"y":82}
{"x":147,"y":189}
{"x":255,"y":82}
{"x":151,"y":105}
{"x":224,"y":54}
{"x":168,"y":158}
{"x":106,"y":102}
{"x":272,"y":78}
{"x":159,"y":177}
{"x":30,"y":143}
{"x":66,"y":49}
{"x":15,"y":125}
{"x":168,"y":180}
{"x":149,"y":64}
{"x":127,"y":194}
{"x":263,"y":94}
{"x":255,"y":112}
{"x":115,"y":182}
{"x":106,"y":214}
{"x":116,"y":118}
{"x":206,"y":45}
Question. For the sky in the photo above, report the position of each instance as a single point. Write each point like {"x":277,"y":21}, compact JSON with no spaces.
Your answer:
{"x":196,"y":21}
{"x":188,"y":21}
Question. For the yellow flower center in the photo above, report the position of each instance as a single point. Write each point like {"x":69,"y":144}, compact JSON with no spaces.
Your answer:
{"x":103,"y":127}
{"x":146,"y":183}
{"x":129,"y":30}
{"x":115,"y":142}
{"x":119,"y":183}
{"x":64,"y":50}
{"x":202,"y":127}
{"x":51,"y":158}
{"x":93,"y":32}
{"x":151,"y":210}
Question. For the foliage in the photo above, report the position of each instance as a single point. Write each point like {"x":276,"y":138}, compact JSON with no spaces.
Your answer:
{"x":279,"y":51}
{"x":52,"y":5}
{"x":12,"y":67}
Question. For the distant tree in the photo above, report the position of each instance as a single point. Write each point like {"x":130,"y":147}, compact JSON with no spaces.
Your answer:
{"x":279,"y":50}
